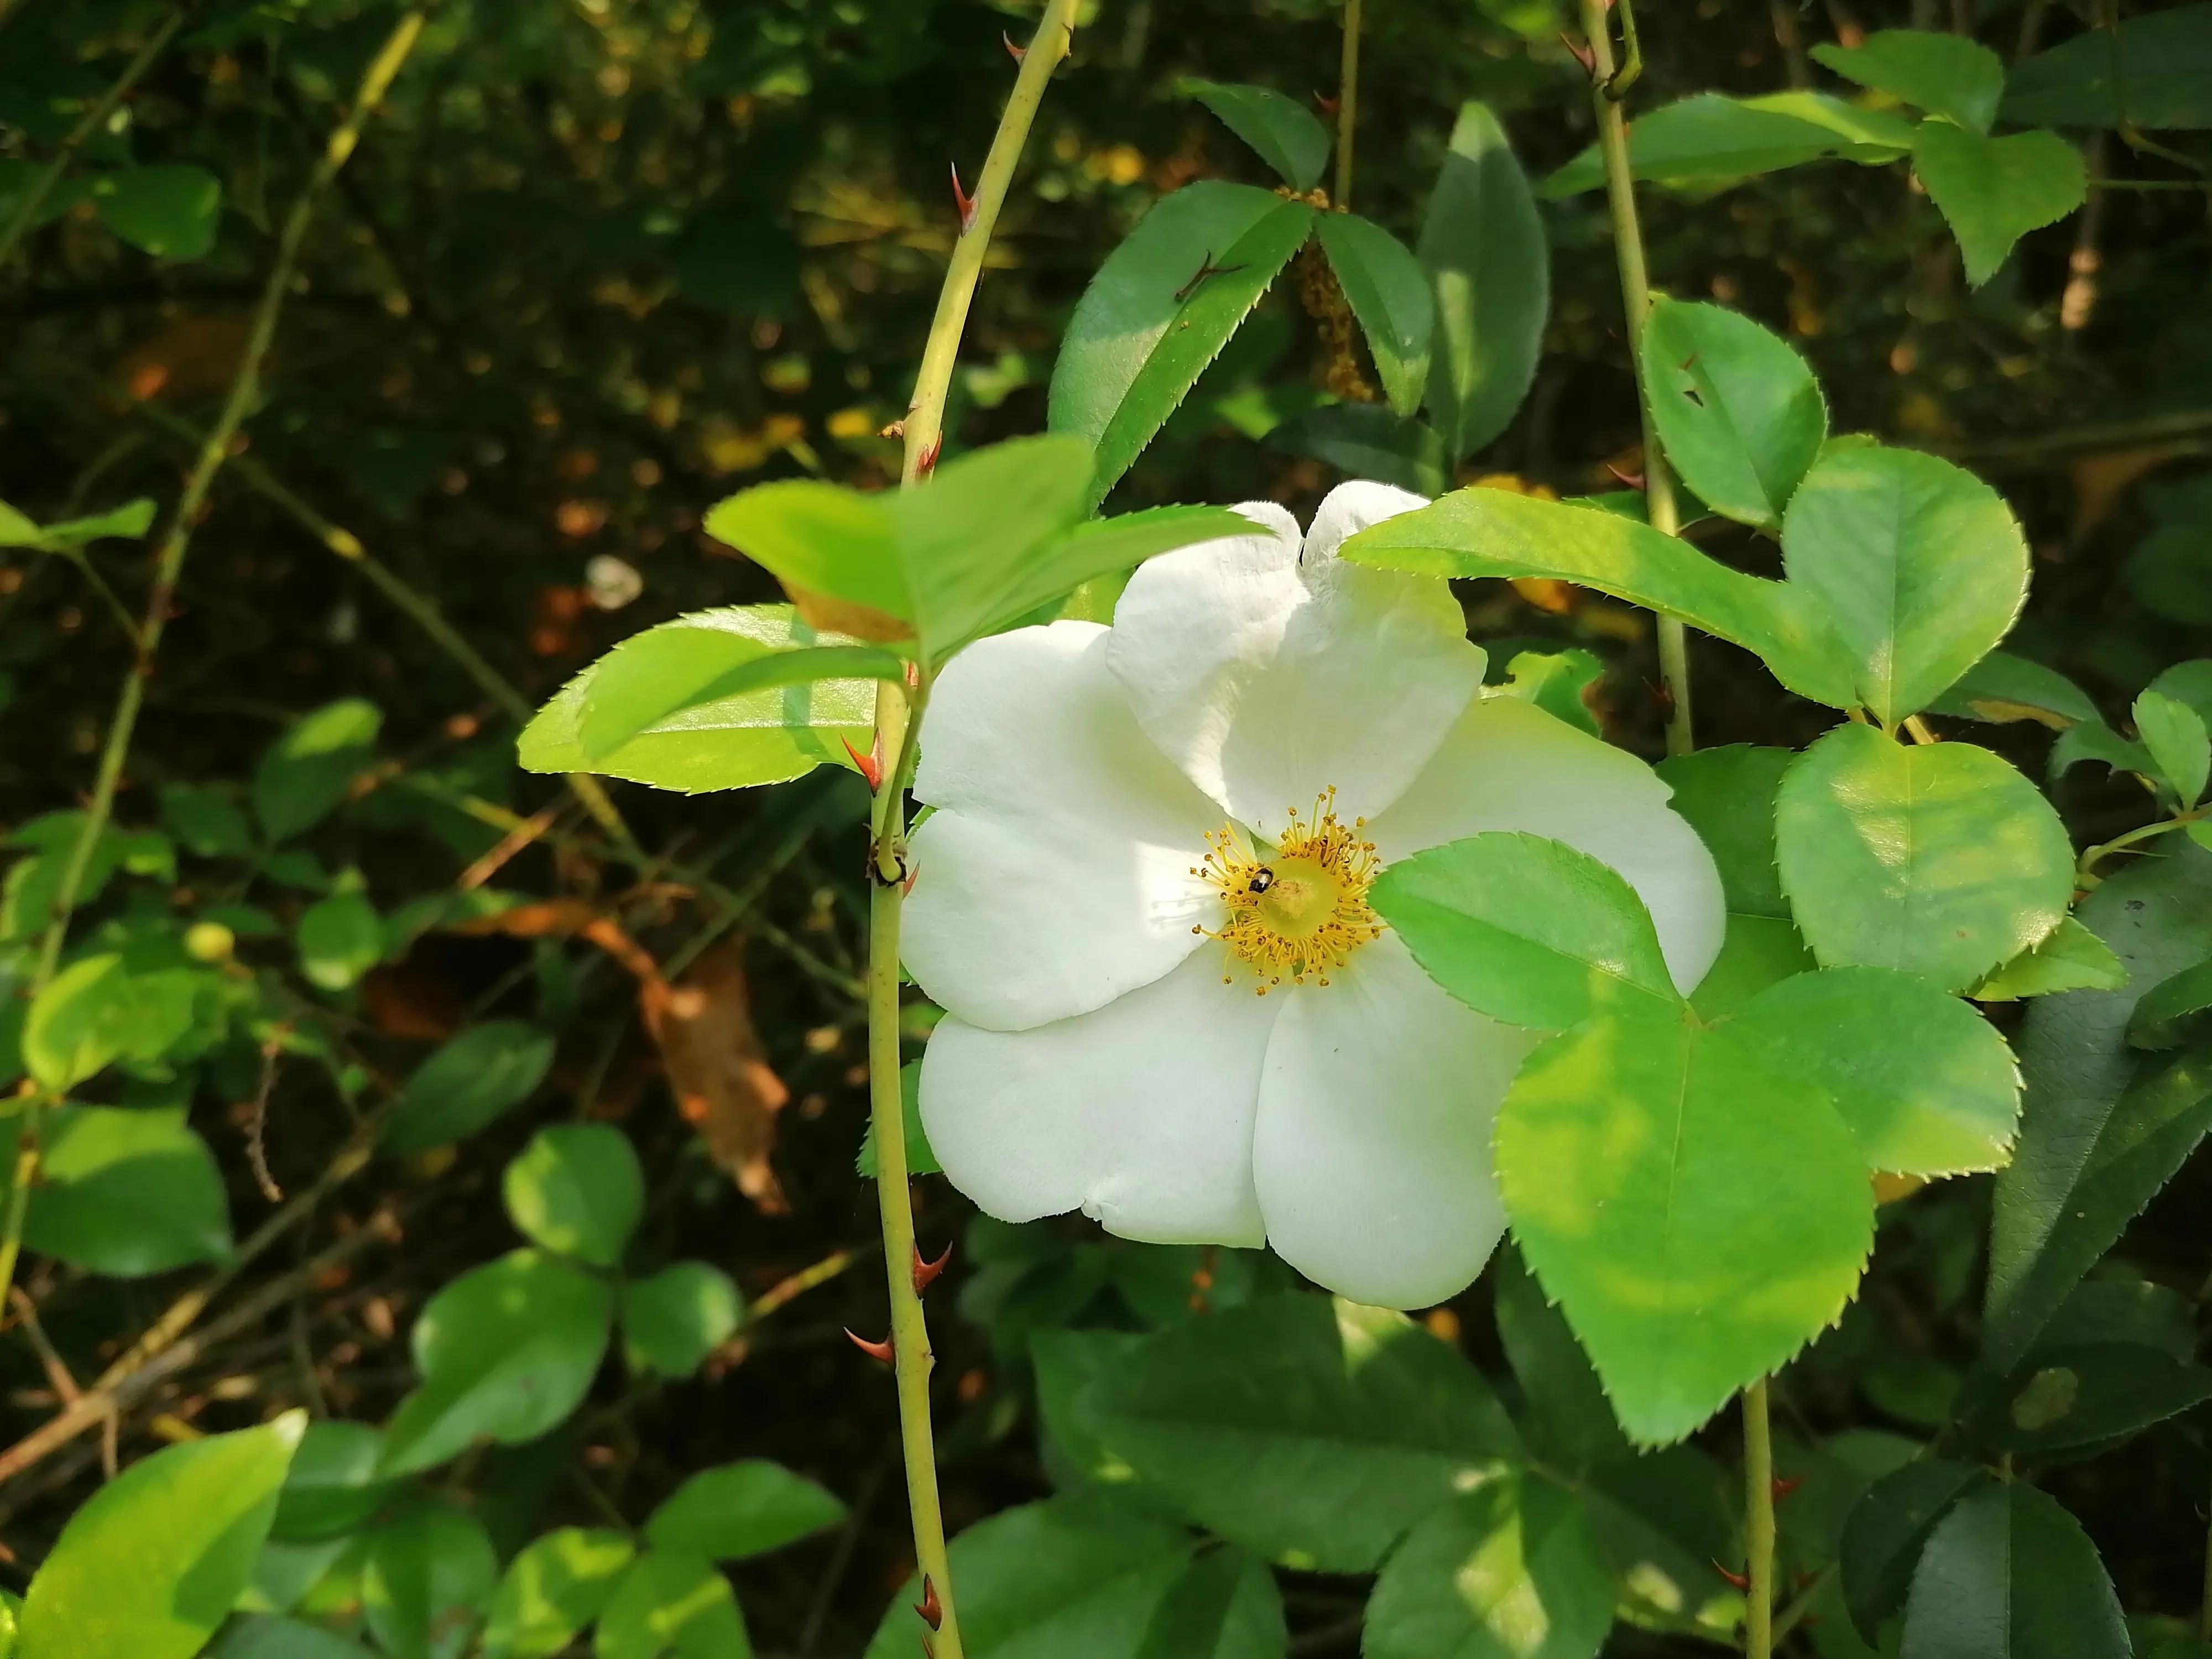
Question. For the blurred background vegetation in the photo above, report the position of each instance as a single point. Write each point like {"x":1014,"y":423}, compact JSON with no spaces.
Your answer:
{"x":600,"y":262}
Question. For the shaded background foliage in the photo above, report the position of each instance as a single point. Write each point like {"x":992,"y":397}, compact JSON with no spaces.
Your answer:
{"x":599,"y":263}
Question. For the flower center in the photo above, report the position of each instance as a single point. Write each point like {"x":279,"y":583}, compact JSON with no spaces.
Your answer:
{"x":1301,"y":908}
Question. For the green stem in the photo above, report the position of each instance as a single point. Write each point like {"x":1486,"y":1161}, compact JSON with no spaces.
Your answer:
{"x":26,"y":212}
{"x":1348,"y":103}
{"x":1607,"y":86}
{"x":898,"y":720}
{"x":1758,"y":1522}
{"x":168,"y":565}
{"x":2104,"y":849}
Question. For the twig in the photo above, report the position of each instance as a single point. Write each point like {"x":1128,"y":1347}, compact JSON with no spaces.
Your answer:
{"x":1758,"y":1522}
{"x":168,"y":565}
{"x":1348,"y":103}
{"x":27,"y":213}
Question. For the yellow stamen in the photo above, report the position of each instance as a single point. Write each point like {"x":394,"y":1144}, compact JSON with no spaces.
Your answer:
{"x":1300,"y":909}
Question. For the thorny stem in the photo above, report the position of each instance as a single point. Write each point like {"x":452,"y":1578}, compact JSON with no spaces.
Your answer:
{"x":1348,"y":103}
{"x":26,"y":211}
{"x":898,"y":718}
{"x":1758,"y":1522}
{"x":168,"y":565}
{"x":1606,"y":88}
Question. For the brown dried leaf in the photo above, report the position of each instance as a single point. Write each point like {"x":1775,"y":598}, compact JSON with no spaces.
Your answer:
{"x":717,"y":1069}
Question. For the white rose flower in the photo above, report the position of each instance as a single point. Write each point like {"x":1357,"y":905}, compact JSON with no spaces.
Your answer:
{"x":1141,"y":900}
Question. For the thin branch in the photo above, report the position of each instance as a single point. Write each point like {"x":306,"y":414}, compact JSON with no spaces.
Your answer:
{"x":1348,"y":103}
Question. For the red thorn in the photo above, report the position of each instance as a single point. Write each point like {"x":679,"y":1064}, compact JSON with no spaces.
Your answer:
{"x":1782,"y":1488}
{"x":868,"y":765}
{"x":1633,"y":480}
{"x":1582,"y":55}
{"x":913,"y":674}
{"x":927,"y":463}
{"x":1325,"y":104}
{"x":926,"y":1273}
{"x":906,"y":890}
{"x":874,"y":1350}
{"x":1013,"y":50}
{"x":963,"y":201}
{"x":1741,"y":1581}
{"x":931,"y":1609}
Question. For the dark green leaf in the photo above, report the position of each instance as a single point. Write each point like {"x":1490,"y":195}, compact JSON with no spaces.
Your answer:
{"x":1727,"y":796}
{"x":333,"y":1485}
{"x":673,"y":1319}
{"x":1918,"y":565}
{"x":1937,"y":860}
{"x":2173,"y":998}
{"x":1886,"y":1530}
{"x":1568,"y":1413}
{"x":1366,"y":441}
{"x":1528,"y":931}
{"x":673,"y":1603}
{"x":740,"y":1510}
{"x":1484,"y":247}
{"x":466,"y":1084}
{"x":171,"y":212}
{"x":205,"y":820}
{"x":2071,"y":1399}
{"x":1390,"y":295}
{"x":1498,"y":533}
{"x":2008,"y":1574}
{"x":1153,"y":319}
{"x":2002,"y":687}
{"x":506,"y":1352}
{"x":430,"y":1570}
{"x":1710,"y":140}
{"x":555,"y":1586}
{"x":309,"y":770}
{"x":125,"y":1190}
{"x":1741,"y":414}
{"x":1286,"y":133}
{"x":152,"y":1561}
{"x":2092,"y":740}
{"x":257,"y":1636}
{"x":2164,"y":64}
{"x":1358,"y":1423}
{"x":577,"y":1189}
{"x":1224,"y":1605}
{"x":1698,"y":1217}
{"x":1946,"y":74}
{"x":1992,"y":192}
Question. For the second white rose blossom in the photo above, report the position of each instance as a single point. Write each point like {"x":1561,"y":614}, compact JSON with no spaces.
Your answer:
{"x":1140,"y":899}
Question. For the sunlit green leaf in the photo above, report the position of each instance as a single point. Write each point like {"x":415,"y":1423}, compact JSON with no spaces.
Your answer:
{"x":557,"y":1584}
{"x":1286,"y":133}
{"x":2174,"y":735}
{"x":1946,"y":74}
{"x":340,"y":938}
{"x":1992,"y":192}
{"x":1739,"y":411}
{"x":578,"y":1189}
{"x":671,"y":1604}
{"x":673,"y":1319}
{"x":100,"y":1009}
{"x":1710,"y":140}
{"x":309,"y":770}
{"x":465,"y":1084}
{"x":2069,"y":958}
{"x":1389,"y":295}
{"x":125,"y":1190}
{"x":332,"y":1485}
{"x":742,"y":1509}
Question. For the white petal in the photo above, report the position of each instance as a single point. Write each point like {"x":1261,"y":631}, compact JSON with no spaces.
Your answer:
{"x":1372,"y":1152}
{"x":1139,"y":1113}
{"x":1269,"y":675}
{"x":1509,"y":765}
{"x":1055,"y":873}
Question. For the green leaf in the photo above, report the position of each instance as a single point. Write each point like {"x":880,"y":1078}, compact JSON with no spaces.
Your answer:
{"x":1358,"y":1423}
{"x":1528,"y":931}
{"x":742,"y":1509}
{"x":1106,"y":547}
{"x":1512,"y":1571}
{"x":1698,"y":1217}
{"x":257,"y":1636}
{"x":1389,"y":294}
{"x":1918,"y":565}
{"x":555,"y":1586}
{"x":1074,"y":1575}
{"x":2173,"y":998}
{"x":309,"y":770}
{"x":2163,"y":60}
{"x":2066,"y":1401}
{"x":206,"y":821}
{"x":671,"y":1604}
{"x":920,"y":1156}
{"x":1992,"y":192}
{"x":1886,"y":1530}
{"x":2074,"y":1144}
{"x":1150,"y":323}
{"x":506,"y":1350}
{"x":2002,"y":687}
{"x":1925,"y":1083}
{"x":673,"y":1319}
{"x":1568,"y":1416}
{"x":430,"y":1570}
{"x":1936,"y":859}
{"x":2174,"y":735}
{"x":1740,"y":412}
{"x":1485,"y":249}
{"x":1558,"y":682}
{"x":129,"y":521}
{"x":766,"y":735}
{"x":97,"y":1010}
{"x":466,"y":1084}
{"x":340,"y":938}
{"x":577,"y":1189}
{"x":333,"y":1485}
{"x":151,"y":1563}
{"x":172,"y":212}
{"x":2008,"y":1574}
{"x":1224,"y":1605}
{"x":2069,"y":958}
{"x":1710,"y":140}
{"x":1366,"y":441}
{"x":2092,"y":740}
{"x":125,"y":1190}
{"x":1286,"y":133}
{"x":1726,"y":795}
{"x":1946,"y":74}
{"x":1497,"y":532}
